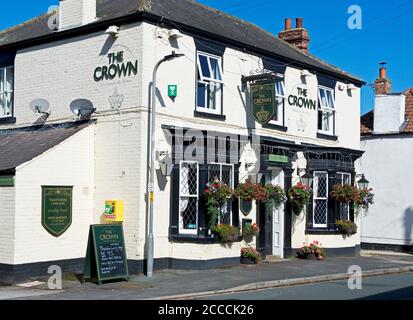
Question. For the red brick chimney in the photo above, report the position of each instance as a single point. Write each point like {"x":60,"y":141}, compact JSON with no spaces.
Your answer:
{"x":298,"y":37}
{"x":382,"y":85}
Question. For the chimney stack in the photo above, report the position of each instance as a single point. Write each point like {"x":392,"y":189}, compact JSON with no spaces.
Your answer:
{"x":76,"y":13}
{"x":382,"y":85}
{"x":298,"y":37}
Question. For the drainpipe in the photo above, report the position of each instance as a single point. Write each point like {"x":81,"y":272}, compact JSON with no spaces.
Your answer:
{"x":151,"y":166}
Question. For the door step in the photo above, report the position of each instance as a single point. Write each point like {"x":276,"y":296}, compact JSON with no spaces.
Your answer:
{"x":273,"y":259}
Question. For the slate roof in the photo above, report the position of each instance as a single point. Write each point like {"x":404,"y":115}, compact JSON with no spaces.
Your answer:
{"x":367,"y":120}
{"x":186,"y":14}
{"x":18,"y":146}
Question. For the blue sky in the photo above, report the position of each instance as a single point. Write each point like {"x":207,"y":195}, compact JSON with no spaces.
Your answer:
{"x":385,"y":36}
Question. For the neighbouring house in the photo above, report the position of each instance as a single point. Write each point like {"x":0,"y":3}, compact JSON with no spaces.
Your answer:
{"x":387,"y":139}
{"x":75,"y":92}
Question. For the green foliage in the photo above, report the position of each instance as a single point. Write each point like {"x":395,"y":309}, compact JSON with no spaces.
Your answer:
{"x":299,"y":196}
{"x":251,"y":230}
{"x":347,"y":227}
{"x":275,"y":194}
{"x":217,"y":195}
{"x":251,"y":254}
{"x":344,"y":193}
{"x":226,"y":233}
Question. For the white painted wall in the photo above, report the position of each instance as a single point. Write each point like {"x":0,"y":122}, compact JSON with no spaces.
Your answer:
{"x":69,"y":164}
{"x":63,"y":71}
{"x":389,"y":113}
{"x":7,"y":217}
{"x":386,"y":165}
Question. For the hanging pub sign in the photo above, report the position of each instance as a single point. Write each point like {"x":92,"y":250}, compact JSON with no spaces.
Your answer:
{"x":263,"y":102}
{"x":106,"y":254}
{"x":57,"y":209}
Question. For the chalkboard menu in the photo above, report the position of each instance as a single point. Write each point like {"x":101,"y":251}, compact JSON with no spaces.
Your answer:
{"x":106,"y":254}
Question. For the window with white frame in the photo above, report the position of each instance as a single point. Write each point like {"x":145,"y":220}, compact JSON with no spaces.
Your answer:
{"x":6,"y":92}
{"x":278,"y":118}
{"x":224,"y":173}
{"x":210,"y":83}
{"x":326,"y":111}
{"x":320,"y":199}
{"x":188,"y":197}
{"x":344,"y":179}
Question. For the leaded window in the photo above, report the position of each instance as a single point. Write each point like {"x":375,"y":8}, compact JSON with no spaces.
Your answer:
{"x":188,"y":197}
{"x":320,"y":199}
{"x":224,"y":173}
{"x":344,"y":179}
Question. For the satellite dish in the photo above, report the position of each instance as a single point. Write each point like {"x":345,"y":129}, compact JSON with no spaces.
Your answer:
{"x":82,"y":108}
{"x":41,"y":106}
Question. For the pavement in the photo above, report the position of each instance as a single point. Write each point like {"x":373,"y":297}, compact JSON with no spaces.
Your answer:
{"x":187,"y":284}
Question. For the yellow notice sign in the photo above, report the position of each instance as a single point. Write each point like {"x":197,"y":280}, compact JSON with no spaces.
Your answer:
{"x":151,"y":197}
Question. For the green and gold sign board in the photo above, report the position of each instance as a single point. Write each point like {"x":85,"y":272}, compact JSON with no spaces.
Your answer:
{"x":263,"y":102}
{"x":106,"y":254}
{"x":57,"y":209}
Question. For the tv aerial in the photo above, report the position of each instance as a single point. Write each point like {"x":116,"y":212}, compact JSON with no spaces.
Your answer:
{"x":40,"y":106}
{"x":82,"y":108}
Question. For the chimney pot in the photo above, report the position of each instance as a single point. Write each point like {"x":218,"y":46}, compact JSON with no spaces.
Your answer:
{"x":288,"y":24}
{"x":299,"y":23}
{"x":382,"y":85}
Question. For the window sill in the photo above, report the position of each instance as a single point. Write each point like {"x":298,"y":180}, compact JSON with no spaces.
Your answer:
{"x":10,"y":120}
{"x":321,"y":232}
{"x":196,"y":239}
{"x":275,"y":127}
{"x":327,"y":137}
{"x":212,"y":116}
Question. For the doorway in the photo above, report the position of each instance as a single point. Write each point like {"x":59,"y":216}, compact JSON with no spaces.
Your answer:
{"x":271,"y":220}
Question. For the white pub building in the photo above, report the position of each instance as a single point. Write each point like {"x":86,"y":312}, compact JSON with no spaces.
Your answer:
{"x":75,"y":104}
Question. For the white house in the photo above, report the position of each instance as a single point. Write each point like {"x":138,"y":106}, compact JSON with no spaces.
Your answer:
{"x":105,"y":52}
{"x":387,"y":137}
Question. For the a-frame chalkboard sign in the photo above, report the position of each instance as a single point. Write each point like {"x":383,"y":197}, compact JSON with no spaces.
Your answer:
{"x":106,"y":254}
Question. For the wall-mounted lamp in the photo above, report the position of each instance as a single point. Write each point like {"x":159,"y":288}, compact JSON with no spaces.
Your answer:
{"x":363,"y":183}
{"x":305,"y":73}
{"x":307,"y":179}
{"x":112,"y":31}
{"x":165,"y":163}
{"x":174,"y":34}
{"x":351,"y":87}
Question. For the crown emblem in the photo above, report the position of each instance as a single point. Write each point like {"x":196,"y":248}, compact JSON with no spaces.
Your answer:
{"x":263,"y":115}
{"x":116,"y":100}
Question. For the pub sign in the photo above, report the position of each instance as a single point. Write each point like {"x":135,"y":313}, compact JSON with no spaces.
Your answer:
{"x":57,"y":209}
{"x":263,"y":102}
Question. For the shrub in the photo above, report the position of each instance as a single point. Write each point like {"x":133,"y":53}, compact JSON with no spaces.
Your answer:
{"x":344,"y":193}
{"x":299,"y":196}
{"x":347,"y":227}
{"x":251,"y":254}
{"x":226,"y":233}
{"x":217,"y":195}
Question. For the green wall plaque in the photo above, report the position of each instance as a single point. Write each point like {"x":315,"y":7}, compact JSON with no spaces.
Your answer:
{"x":263,"y":102}
{"x":57,"y":209}
{"x":172,"y":91}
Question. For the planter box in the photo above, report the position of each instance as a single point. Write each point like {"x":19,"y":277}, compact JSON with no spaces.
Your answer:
{"x":247,"y":261}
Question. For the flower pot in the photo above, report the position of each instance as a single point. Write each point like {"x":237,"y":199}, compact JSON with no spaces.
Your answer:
{"x":248,"y":238}
{"x":247,"y":261}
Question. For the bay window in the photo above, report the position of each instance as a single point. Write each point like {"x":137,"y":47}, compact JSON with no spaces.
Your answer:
{"x":209,"y":83}
{"x":326,"y":111}
{"x":6,"y":92}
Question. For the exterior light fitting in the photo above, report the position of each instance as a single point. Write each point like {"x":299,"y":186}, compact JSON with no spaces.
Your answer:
{"x":174,"y":34}
{"x":351,"y":87}
{"x":112,"y":31}
{"x":305,"y":73}
{"x":363,"y":183}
